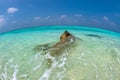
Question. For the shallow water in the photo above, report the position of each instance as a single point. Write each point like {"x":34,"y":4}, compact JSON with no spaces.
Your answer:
{"x":96,"y":56}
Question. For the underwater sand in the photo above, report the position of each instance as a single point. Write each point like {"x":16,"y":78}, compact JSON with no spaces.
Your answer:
{"x":96,"y":56}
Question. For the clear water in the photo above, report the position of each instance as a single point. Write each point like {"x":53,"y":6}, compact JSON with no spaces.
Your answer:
{"x":94,"y":58}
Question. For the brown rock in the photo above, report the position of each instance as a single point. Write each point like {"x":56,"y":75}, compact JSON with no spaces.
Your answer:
{"x":65,"y":39}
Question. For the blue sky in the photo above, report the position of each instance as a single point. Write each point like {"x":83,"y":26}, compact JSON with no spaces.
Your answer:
{"x":15,"y":14}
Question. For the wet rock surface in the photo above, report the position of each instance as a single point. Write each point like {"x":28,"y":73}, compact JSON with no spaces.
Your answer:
{"x":67,"y":40}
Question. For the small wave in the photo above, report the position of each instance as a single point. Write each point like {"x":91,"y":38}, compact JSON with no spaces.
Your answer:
{"x":56,"y":64}
{"x":9,"y":66}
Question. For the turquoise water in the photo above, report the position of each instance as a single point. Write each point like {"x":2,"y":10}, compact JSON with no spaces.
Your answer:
{"x":96,"y":57}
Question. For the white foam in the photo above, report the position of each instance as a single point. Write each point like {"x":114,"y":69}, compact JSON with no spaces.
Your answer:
{"x":46,"y":75}
{"x":23,"y":75}
{"x":117,"y":51}
{"x":55,"y":64}
{"x":4,"y":74}
{"x":15,"y":72}
{"x":118,"y":60}
{"x":38,"y":55}
{"x":118,"y":55}
{"x":63,"y":60}
{"x":35,"y":68}
{"x":95,"y":69}
{"x":47,"y":72}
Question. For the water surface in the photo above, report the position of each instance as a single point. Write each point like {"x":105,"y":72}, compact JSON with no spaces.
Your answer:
{"x":96,"y":57}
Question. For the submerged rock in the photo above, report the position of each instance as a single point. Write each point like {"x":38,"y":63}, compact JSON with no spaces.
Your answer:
{"x":94,"y":35}
{"x":67,"y":40}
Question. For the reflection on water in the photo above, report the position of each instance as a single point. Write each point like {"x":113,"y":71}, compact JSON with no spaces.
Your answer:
{"x":92,"y":59}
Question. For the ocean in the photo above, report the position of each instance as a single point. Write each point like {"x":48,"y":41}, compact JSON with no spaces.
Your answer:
{"x":95,"y":57}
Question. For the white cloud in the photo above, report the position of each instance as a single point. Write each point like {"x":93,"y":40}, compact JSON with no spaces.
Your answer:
{"x":109,"y":22}
{"x":2,"y":21}
{"x":113,"y":24}
{"x":106,"y":18}
{"x":36,"y":18}
{"x":12,"y":10}
{"x":48,"y":17}
{"x":63,"y":16}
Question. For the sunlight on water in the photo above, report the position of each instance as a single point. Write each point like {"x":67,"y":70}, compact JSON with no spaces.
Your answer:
{"x":95,"y":57}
